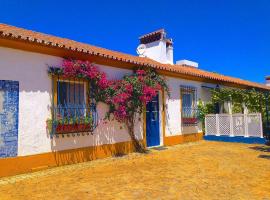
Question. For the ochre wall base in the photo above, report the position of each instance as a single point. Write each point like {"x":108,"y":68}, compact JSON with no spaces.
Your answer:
{"x":179,"y":139}
{"x":24,"y":164}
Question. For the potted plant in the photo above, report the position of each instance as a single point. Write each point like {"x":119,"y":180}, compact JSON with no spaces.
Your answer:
{"x":191,"y":120}
{"x":70,"y":125}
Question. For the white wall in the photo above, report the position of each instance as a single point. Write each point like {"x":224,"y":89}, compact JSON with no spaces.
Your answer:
{"x":30,"y":69}
{"x":157,"y":51}
{"x":173,"y":114}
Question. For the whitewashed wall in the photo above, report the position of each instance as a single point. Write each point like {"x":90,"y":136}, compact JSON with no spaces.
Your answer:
{"x":173,"y":114}
{"x":157,"y":51}
{"x":30,"y":69}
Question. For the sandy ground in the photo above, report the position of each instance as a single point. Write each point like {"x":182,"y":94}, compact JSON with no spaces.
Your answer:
{"x":202,"y":170}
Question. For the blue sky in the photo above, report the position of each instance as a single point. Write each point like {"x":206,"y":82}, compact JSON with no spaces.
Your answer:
{"x":231,"y":37}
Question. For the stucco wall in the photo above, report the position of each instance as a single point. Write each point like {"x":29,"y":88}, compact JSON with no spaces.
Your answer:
{"x":30,"y":69}
{"x":173,"y":114}
{"x":156,"y":51}
{"x":35,"y":88}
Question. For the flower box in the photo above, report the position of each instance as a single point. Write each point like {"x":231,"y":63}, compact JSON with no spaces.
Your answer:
{"x":193,"y":120}
{"x":72,"y":128}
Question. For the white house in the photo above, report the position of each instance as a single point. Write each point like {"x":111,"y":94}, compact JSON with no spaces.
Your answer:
{"x":28,"y":95}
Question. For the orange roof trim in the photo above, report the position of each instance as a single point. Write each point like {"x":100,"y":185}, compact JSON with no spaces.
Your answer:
{"x":11,"y":32}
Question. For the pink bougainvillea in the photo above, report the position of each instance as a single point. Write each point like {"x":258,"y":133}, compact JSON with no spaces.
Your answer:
{"x":125,"y":97}
{"x":103,"y":83}
{"x":140,"y":72}
{"x":148,"y":93}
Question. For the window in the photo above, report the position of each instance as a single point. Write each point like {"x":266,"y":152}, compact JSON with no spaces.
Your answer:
{"x":70,"y":93}
{"x":189,"y":105}
{"x":73,"y":110}
{"x":71,"y":98}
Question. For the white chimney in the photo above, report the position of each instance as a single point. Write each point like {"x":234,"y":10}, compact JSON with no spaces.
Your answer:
{"x":187,"y":63}
{"x":267,"y":80}
{"x":156,"y":46}
{"x":169,"y":51}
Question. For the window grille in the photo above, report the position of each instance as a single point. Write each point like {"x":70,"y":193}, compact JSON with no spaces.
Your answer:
{"x":189,"y":105}
{"x":74,"y":109}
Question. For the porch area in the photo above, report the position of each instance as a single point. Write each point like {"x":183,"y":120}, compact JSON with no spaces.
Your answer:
{"x":200,"y":170}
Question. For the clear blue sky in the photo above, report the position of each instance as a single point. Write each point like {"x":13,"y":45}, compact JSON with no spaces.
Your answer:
{"x":231,"y":37}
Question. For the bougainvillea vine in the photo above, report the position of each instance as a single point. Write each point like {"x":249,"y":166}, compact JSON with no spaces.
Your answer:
{"x":126,"y":97}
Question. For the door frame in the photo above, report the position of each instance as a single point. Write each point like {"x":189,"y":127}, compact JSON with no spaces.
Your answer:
{"x":161,"y":102}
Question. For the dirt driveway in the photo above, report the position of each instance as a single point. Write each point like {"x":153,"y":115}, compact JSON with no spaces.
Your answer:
{"x":202,"y":170}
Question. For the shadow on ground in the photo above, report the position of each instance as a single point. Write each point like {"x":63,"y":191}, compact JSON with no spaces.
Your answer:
{"x":262,"y":149}
{"x":264,"y":156}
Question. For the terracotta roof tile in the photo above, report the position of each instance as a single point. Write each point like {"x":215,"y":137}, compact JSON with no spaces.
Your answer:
{"x":160,"y":31}
{"x":11,"y":32}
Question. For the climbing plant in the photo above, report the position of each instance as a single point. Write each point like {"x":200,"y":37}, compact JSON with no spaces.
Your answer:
{"x":253,"y":99}
{"x":82,"y":70}
{"x":126,"y":97}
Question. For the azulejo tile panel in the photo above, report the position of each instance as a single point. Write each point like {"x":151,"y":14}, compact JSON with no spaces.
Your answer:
{"x":9,"y":109}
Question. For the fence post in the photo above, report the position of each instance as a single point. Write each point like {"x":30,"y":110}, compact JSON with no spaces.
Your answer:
{"x":261,"y":127}
{"x":246,"y":125}
{"x":217,"y":124}
{"x":205,"y":125}
{"x":231,"y":126}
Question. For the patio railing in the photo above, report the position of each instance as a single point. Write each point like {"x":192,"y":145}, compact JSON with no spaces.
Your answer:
{"x":247,"y":125}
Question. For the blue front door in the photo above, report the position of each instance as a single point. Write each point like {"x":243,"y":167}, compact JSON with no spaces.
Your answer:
{"x":152,"y":123}
{"x":9,"y":102}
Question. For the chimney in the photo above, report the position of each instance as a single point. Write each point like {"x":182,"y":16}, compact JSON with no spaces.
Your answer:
{"x":157,"y":46}
{"x":267,"y":80}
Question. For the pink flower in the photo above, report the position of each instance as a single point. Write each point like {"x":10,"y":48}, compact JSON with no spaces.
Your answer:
{"x":129,"y":88}
{"x":121,"y":113}
{"x":70,"y":70}
{"x":158,"y":86}
{"x":140,"y":78}
{"x":148,"y":94}
{"x":103,"y":82}
{"x":120,"y":98}
{"x":140,"y":72}
{"x":73,"y":68}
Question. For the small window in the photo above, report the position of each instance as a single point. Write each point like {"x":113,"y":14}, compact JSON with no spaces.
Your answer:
{"x":189,"y":105}
{"x":70,"y":93}
{"x":74,"y":111}
{"x":71,"y":99}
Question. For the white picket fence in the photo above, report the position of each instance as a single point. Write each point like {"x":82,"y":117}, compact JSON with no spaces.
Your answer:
{"x":247,"y":125}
